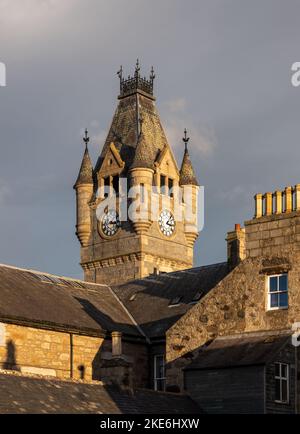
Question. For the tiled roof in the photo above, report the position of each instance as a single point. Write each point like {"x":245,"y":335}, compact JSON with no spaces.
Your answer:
{"x":33,"y":297}
{"x":123,"y":130}
{"x":143,"y":157}
{"x":243,"y":349}
{"x":25,"y":394}
{"x":187,"y":174}
{"x":85,"y":175}
{"x":157,"y":302}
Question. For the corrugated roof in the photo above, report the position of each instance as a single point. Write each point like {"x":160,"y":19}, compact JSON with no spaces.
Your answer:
{"x":241,"y":350}
{"x":24,"y":394}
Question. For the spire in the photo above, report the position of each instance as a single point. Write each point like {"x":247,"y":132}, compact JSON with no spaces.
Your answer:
{"x":142,"y":157}
{"x":85,"y":175}
{"x":187,"y":174}
{"x":135,"y":102}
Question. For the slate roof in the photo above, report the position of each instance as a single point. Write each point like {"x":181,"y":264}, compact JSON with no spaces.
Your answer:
{"x":25,"y":394}
{"x":85,"y":175}
{"x":150,"y":300}
{"x":142,"y":156}
{"x":187,"y":173}
{"x":33,"y":297}
{"x":57,"y":302}
{"x":241,"y":350}
{"x":123,"y":130}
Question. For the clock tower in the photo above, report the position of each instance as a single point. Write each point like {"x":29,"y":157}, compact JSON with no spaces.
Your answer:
{"x":136,"y":153}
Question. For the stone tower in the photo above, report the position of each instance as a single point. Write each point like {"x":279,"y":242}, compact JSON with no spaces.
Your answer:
{"x":113,"y":249}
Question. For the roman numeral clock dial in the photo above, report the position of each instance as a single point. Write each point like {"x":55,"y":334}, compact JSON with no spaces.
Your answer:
{"x":110,"y":223}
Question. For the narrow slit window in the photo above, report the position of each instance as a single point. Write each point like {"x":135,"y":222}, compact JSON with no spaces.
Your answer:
{"x":162,"y":184}
{"x":106,"y":186}
{"x":170,"y":187}
{"x":142,"y":193}
{"x":116,"y":184}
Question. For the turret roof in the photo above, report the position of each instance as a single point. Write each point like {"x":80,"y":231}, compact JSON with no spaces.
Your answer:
{"x":85,"y":175}
{"x":187,"y":174}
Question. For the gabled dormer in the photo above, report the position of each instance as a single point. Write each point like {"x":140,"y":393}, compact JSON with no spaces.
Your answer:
{"x":166,"y":174}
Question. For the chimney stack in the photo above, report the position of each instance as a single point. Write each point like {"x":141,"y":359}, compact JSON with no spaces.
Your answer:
{"x":236,"y":251}
{"x":117,"y":371}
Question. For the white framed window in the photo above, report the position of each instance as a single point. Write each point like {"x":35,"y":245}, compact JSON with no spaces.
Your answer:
{"x":282,"y":383}
{"x":278,"y":291}
{"x":159,"y":372}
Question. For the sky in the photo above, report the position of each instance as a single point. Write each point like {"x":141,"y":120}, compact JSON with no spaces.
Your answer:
{"x":223,"y":71}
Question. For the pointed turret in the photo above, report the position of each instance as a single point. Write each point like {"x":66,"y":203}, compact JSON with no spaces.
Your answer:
{"x":141,"y":174}
{"x":84,"y":190}
{"x":85,"y":175}
{"x":188,"y":180}
{"x":187,"y":174}
{"x":143,"y":157}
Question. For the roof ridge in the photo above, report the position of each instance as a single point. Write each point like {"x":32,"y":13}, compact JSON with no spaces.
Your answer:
{"x":46,"y":273}
{"x":129,"y":315}
{"x":187,"y":270}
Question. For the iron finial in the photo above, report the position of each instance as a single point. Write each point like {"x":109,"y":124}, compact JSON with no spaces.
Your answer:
{"x":152,"y":75}
{"x":137,"y":68}
{"x":120,"y":73}
{"x":185,"y":139}
{"x":86,"y":138}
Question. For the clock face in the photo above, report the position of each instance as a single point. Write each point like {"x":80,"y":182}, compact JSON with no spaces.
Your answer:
{"x":110,"y":223}
{"x":166,"y":223}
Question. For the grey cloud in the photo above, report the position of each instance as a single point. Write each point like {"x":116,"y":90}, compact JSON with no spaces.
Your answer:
{"x":229,"y":61}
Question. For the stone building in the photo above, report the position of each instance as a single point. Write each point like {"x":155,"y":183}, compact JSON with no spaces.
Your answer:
{"x":136,"y":150}
{"x":215,"y":339}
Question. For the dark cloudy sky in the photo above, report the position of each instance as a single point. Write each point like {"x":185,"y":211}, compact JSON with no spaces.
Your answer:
{"x":223,"y":71}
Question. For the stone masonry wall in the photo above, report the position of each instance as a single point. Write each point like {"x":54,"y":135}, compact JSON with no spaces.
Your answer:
{"x":45,"y":352}
{"x":239,"y":302}
{"x":273,"y":235}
